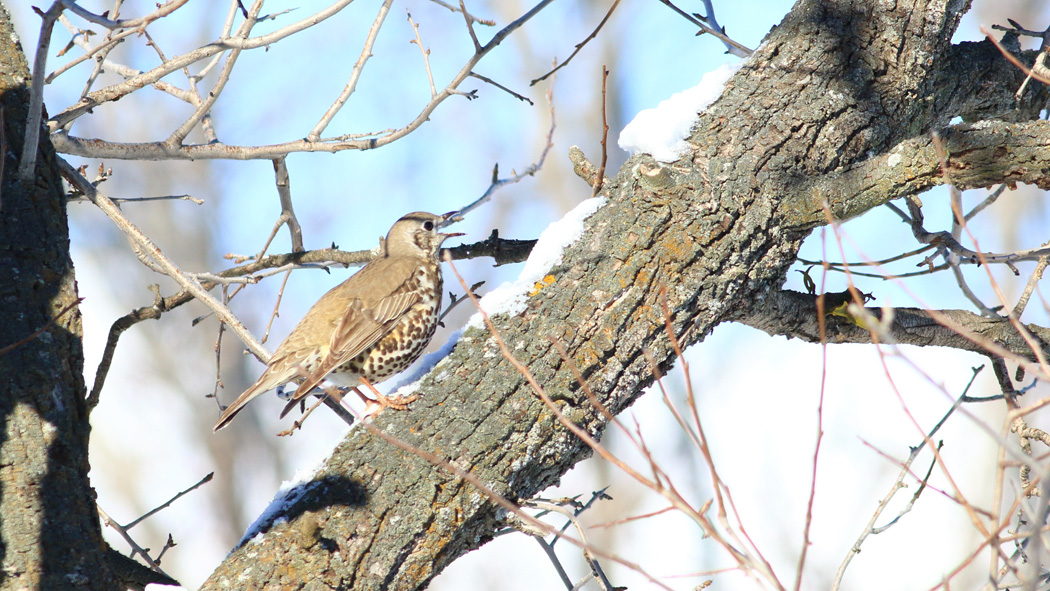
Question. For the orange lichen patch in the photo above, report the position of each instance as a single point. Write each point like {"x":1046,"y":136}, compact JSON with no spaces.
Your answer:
{"x":541,"y":284}
{"x":679,"y":246}
{"x":586,"y":356}
{"x":643,"y":277}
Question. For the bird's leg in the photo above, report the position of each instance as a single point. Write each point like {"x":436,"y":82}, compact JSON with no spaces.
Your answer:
{"x":298,"y":423}
{"x":399,"y":403}
{"x":362,"y":396}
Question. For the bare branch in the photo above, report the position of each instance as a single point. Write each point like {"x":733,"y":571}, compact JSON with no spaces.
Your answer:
{"x":136,"y":23}
{"x":732,"y":46}
{"x":110,"y":209}
{"x":497,"y":182}
{"x":470,"y":26}
{"x":426,"y":54}
{"x":81,"y":199}
{"x":27,"y":163}
{"x":117,"y":91}
{"x":503,"y":88}
{"x":95,"y":148}
{"x":470,"y":18}
{"x":207,"y":478}
{"x":136,"y":549}
{"x":284,"y":191}
{"x":599,"y":181}
{"x":176,"y":138}
{"x":355,"y":74}
{"x":795,"y":314}
{"x":1037,"y":274}
{"x":579,"y":46}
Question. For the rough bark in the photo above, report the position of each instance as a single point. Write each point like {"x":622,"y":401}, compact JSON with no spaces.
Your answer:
{"x":813,"y":117}
{"x":49,"y":526}
{"x":795,"y":315}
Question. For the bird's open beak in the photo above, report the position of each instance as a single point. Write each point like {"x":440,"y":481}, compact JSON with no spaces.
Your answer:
{"x":447,"y":220}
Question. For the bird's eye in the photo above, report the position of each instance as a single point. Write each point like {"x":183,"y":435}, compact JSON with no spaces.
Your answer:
{"x":428,"y":226}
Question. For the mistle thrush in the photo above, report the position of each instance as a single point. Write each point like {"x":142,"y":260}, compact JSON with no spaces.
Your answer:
{"x":371,"y":326}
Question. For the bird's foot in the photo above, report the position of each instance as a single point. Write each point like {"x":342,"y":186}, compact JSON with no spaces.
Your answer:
{"x":395,"y":402}
{"x":382,"y":401}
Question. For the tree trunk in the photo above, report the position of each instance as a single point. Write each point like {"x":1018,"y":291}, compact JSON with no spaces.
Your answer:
{"x":49,"y":526}
{"x":829,"y":117}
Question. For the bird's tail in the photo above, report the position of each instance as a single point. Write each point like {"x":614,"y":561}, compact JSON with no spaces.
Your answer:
{"x":245,"y":397}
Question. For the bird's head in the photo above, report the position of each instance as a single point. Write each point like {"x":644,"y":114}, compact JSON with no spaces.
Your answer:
{"x":417,"y":235}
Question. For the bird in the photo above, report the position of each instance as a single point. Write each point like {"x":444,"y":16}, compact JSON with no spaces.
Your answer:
{"x":369,"y":327}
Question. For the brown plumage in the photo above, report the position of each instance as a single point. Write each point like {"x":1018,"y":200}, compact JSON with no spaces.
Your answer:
{"x":373,"y":325}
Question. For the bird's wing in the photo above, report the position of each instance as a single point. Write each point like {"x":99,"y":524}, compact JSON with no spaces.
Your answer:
{"x":365,"y":321}
{"x":285,"y":365}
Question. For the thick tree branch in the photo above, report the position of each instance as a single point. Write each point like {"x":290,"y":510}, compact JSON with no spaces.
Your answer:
{"x":835,"y":82}
{"x":980,"y":155}
{"x":794,"y":315}
{"x":50,"y":536}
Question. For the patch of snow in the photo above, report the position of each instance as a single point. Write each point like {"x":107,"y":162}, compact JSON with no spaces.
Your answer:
{"x":510,"y":297}
{"x":662,"y":131}
{"x":289,"y":492}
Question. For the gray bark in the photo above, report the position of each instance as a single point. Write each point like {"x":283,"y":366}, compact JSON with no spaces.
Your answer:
{"x":49,"y":528}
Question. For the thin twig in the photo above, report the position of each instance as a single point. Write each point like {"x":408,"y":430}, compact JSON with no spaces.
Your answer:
{"x":530,"y":170}
{"x":135,"y":548}
{"x":27,"y":165}
{"x":723,"y":495}
{"x":816,"y":446}
{"x":503,"y":88}
{"x":82,"y":199}
{"x":1033,"y":281}
{"x":177,"y":136}
{"x":832,"y":265}
{"x":454,"y":302}
{"x":1012,"y":59}
{"x":992,"y":197}
{"x":277,"y":305}
{"x":470,"y":27}
{"x":426,"y":54}
{"x":596,"y":569}
{"x":732,"y":46}
{"x":600,"y":181}
{"x":284,"y":192}
{"x":136,"y":23}
{"x":899,"y":484}
{"x":470,"y":18}
{"x":579,"y":45}
{"x":218,"y":348}
{"x":355,"y":74}
{"x":553,"y":557}
{"x":202,"y":481}
{"x":176,"y":63}
{"x":104,"y":149}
